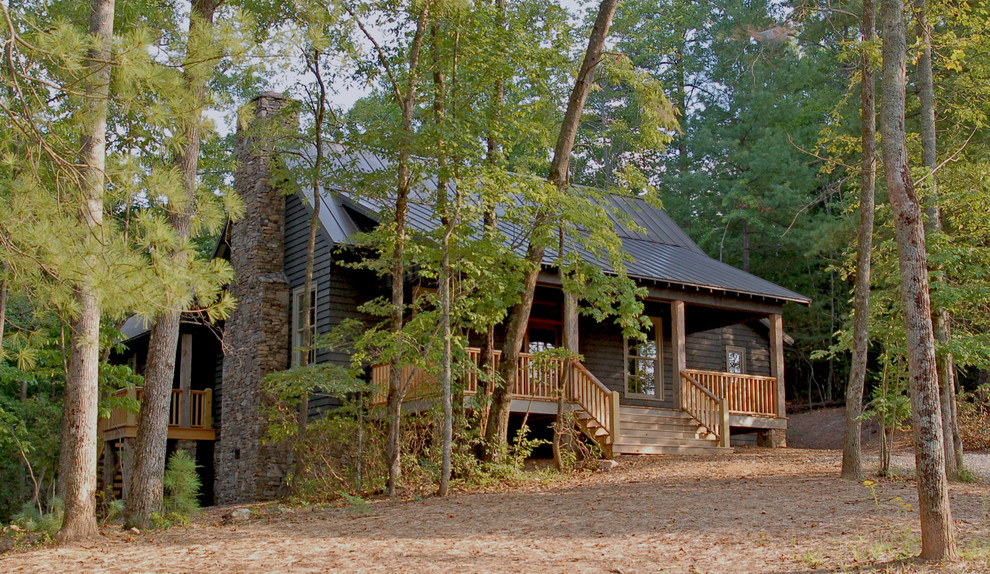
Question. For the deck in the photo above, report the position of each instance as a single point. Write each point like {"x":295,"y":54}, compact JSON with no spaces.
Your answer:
{"x":714,"y":401}
{"x":190,"y":416}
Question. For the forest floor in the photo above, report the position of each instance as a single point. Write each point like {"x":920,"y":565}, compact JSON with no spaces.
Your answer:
{"x":757,"y":510}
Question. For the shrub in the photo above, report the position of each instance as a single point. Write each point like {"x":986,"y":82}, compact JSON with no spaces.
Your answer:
{"x":31,"y":519}
{"x":182,"y":485}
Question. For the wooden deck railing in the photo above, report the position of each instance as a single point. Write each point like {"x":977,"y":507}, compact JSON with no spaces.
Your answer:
{"x":746,"y":394}
{"x":595,"y":399}
{"x":189,"y":409}
{"x":538,"y":379}
{"x":709,"y":410}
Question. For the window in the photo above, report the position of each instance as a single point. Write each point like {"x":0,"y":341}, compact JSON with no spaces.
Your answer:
{"x":542,"y":337}
{"x":735,"y":360}
{"x":297,"y":324}
{"x":644,"y":364}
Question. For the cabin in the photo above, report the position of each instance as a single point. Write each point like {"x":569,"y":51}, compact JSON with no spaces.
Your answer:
{"x":711,"y":369}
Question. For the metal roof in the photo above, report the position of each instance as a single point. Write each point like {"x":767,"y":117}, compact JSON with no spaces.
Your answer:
{"x":659,"y":250}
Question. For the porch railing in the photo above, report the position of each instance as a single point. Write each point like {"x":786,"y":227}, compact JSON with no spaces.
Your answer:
{"x":599,"y":402}
{"x":187,"y":409}
{"x":746,"y":394}
{"x":539,"y":379}
{"x":709,"y":410}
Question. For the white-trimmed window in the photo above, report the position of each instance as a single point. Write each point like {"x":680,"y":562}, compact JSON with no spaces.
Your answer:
{"x":735,"y":360}
{"x":644,"y":363}
{"x":297,"y":324}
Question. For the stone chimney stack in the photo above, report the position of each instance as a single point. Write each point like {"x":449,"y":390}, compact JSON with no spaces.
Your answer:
{"x":256,"y":337}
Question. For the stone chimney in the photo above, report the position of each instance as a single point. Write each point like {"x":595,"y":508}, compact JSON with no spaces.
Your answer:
{"x":256,"y":337}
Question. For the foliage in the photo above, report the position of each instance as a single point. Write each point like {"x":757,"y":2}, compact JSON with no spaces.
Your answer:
{"x":33,"y":519}
{"x":890,"y":406}
{"x":182,"y":484}
{"x":338,"y":452}
{"x":974,"y":419}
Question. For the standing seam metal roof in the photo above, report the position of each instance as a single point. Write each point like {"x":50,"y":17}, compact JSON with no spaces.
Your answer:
{"x":660,"y":251}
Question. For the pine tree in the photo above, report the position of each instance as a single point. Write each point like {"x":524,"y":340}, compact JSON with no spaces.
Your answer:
{"x":77,"y":473}
{"x":146,"y":486}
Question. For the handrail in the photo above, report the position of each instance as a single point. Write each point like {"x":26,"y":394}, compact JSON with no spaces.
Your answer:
{"x":536,"y":379}
{"x":539,"y":380}
{"x":709,"y":410}
{"x":745,"y":394}
{"x":599,"y":401}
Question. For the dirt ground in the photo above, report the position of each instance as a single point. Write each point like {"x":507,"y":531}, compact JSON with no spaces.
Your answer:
{"x":822,"y":429}
{"x":757,"y":510}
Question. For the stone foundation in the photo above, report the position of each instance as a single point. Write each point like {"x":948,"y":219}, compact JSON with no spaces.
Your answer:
{"x":772,"y":438}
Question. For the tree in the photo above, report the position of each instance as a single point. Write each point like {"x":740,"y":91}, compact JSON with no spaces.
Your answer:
{"x":852,"y":466}
{"x":558,"y":176}
{"x":145,"y":491}
{"x":933,"y":225}
{"x":77,"y":469}
{"x":404,"y":94}
{"x":937,"y":537}
{"x":448,"y":219}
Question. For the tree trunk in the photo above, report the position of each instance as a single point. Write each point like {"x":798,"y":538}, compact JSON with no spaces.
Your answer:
{"x":78,"y":448}
{"x":396,"y":386}
{"x":937,"y":540}
{"x":933,"y":225}
{"x":497,"y":432}
{"x":449,"y":221}
{"x":494,"y":156}
{"x":313,"y":61}
{"x":852,"y":466}
{"x":148,"y":471}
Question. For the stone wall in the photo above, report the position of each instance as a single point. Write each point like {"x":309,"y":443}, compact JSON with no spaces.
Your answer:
{"x":256,"y":337}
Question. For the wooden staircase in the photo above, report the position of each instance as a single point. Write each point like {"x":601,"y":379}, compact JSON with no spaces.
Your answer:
{"x":662,"y":431}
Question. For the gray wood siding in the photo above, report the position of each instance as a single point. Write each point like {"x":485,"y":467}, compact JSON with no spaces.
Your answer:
{"x":706,"y":349}
{"x":604,"y":354}
{"x":340,"y":290}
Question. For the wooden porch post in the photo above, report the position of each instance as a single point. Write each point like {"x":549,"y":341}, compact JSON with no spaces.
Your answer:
{"x":677,"y":340}
{"x":185,"y":381}
{"x":777,"y":360}
{"x":777,"y":437}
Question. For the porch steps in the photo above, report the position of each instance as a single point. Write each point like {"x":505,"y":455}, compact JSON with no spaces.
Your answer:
{"x":646,"y":430}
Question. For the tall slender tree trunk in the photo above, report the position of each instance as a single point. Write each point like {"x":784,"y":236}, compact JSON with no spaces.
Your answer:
{"x":494,"y":157}
{"x":496,"y":434}
{"x":937,"y":539}
{"x":146,"y":490}
{"x":933,"y":225}
{"x":852,"y":465}
{"x":448,"y":220}
{"x":396,"y":385}
{"x":313,"y":62}
{"x":78,"y":448}
{"x":681,"y":95}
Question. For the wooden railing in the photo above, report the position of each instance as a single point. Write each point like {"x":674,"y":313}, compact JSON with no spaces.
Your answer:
{"x":189,"y":409}
{"x":746,"y":394}
{"x":598,"y":401}
{"x":709,"y":410}
{"x":538,"y":379}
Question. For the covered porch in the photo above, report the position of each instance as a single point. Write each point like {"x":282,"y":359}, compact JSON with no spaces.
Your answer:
{"x":627,"y":380}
